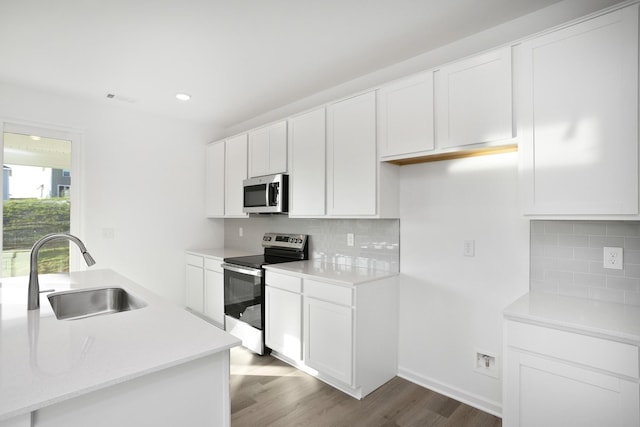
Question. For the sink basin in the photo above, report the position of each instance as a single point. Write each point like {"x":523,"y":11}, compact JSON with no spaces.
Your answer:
{"x":81,"y":303}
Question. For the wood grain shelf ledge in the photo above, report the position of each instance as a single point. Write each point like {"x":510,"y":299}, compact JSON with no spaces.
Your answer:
{"x":455,"y":155}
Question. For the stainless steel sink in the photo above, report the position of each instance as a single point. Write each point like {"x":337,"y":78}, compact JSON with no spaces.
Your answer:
{"x":81,"y":303}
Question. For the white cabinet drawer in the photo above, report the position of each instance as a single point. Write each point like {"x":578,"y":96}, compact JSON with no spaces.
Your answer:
{"x":195,"y":260}
{"x":612,"y":356}
{"x":213,"y":264}
{"x":327,"y":292}
{"x":284,"y":282}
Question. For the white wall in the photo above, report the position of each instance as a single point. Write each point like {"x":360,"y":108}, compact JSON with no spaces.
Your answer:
{"x":450,"y":305}
{"x":143,"y":178}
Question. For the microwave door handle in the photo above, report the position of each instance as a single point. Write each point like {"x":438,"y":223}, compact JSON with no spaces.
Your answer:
{"x":273,"y":194}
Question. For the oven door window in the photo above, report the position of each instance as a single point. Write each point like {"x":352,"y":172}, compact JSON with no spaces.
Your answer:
{"x":243,"y":297}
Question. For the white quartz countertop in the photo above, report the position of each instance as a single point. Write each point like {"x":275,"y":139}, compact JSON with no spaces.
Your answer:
{"x":339,"y":274}
{"x":602,"y":319}
{"x":44,"y":360}
{"x":219,"y":253}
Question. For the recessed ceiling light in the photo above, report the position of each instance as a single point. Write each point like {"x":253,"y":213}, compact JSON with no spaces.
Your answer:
{"x":35,"y":138}
{"x":183,"y":96}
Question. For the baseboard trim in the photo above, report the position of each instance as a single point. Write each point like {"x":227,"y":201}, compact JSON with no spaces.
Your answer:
{"x":478,"y":402}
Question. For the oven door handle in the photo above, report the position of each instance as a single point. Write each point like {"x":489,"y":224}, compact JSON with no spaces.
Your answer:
{"x":242,"y":270}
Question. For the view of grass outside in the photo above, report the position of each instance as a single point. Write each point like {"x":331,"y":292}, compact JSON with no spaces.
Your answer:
{"x":24,"y":222}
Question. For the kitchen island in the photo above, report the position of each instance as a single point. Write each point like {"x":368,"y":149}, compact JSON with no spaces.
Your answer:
{"x":157,"y":365}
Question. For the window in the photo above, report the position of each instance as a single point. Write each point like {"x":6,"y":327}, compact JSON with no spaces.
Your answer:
{"x":36,"y":199}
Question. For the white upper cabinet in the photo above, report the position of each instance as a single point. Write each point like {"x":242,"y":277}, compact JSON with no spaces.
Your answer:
{"x":577,"y":91}
{"x":214,"y":179}
{"x":268,"y":150}
{"x":405,"y":117}
{"x":235,"y":173}
{"x":351,"y":156}
{"x":307,"y":140}
{"x":473,"y":100}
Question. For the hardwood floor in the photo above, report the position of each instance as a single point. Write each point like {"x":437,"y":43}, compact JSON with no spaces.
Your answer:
{"x":267,"y":392}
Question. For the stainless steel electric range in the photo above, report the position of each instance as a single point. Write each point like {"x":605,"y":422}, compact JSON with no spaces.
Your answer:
{"x":244,"y":286}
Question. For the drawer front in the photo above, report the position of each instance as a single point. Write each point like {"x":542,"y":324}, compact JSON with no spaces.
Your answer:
{"x":195,"y":260}
{"x":325,"y":291}
{"x":213,"y":264}
{"x":612,"y":356}
{"x":284,"y":282}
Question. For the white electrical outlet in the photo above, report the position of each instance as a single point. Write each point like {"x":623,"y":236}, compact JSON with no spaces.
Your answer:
{"x":240,"y":231}
{"x":612,"y":258}
{"x":350,"y":239}
{"x":469,"y":248}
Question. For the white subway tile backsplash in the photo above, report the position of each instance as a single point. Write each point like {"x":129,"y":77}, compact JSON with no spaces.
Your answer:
{"x":590,"y":228}
{"x":573,"y":241}
{"x":601,"y":241}
{"x":632,"y":298}
{"x":586,"y":280}
{"x":587,"y":254}
{"x":623,"y":284}
{"x":573,"y":291}
{"x":572,"y":265}
{"x":632,"y":243}
{"x":558,"y":252}
{"x":607,"y":295}
{"x":558,"y":227}
{"x":566,"y":258}
{"x":624,"y":229}
{"x":377,"y":241}
{"x":632,"y":270}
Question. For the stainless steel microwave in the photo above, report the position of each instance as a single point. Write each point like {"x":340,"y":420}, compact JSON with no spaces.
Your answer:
{"x":266,"y":194}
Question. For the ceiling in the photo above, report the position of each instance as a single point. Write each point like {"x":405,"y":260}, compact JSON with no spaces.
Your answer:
{"x":237,"y":58}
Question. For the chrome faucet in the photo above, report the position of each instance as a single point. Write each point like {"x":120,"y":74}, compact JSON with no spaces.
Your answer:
{"x":33,"y":302}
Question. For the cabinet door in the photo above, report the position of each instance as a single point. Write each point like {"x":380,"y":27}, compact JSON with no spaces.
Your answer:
{"x":194,"y":288}
{"x":328,"y":339}
{"x":235,"y":173}
{"x":544,"y":392}
{"x":283,"y":318}
{"x":473,"y":100}
{"x":268,"y":150}
{"x":578,"y":117}
{"x":307,"y":137}
{"x":214,"y":296}
{"x":405,"y":116}
{"x":351,"y":156}
{"x":214,"y":180}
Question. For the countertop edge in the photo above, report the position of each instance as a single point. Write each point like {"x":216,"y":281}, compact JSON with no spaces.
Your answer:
{"x":305,"y":270}
{"x":562,"y":317}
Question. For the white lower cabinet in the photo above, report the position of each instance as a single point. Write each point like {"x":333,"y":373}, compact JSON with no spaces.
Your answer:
{"x":560,"y":378}
{"x":328,"y":339}
{"x":346,"y":335}
{"x":214,"y":290}
{"x":283,"y":315}
{"x":204,"y":287}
